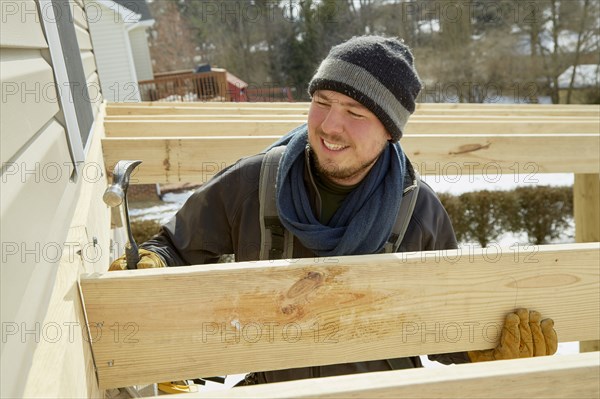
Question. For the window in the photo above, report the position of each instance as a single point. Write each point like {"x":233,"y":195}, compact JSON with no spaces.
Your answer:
{"x":57,"y":20}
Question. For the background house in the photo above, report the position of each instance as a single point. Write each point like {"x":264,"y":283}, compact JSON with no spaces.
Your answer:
{"x":586,"y":84}
{"x":118,"y":32}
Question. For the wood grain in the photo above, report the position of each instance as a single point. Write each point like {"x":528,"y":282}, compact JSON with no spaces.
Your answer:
{"x":291,"y":116}
{"x":197,"y":159}
{"x":198,"y":128}
{"x":560,"y":377}
{"x":62,"y":365}
{"x":199,"y":108}
{"x":586,"y":203}
{"x":167,"y":324}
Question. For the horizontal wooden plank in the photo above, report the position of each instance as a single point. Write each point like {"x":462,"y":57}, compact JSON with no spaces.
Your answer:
{"x":197,"y":159}
{"x":177,"y":110}
{"x":181,"y":160}
{"x":289,"y":116}
{"x":571,"y":376}
{"x":21,"y":27}
{"x":331,"y":310}
{"x":181,"y":128}
{"x":207,"y":320}
{"x":268,"y":108}
{"x":198,"y":128}
{"x":419,"y":106}
{"x":196,"y":104}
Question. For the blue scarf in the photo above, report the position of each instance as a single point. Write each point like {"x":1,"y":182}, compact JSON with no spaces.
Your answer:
{"x":364,"y":221}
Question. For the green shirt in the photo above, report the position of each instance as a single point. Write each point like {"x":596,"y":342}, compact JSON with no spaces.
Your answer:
{"x":332,"y":196}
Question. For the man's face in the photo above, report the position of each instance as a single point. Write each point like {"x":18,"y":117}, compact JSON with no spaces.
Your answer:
{"x":345,"y":137}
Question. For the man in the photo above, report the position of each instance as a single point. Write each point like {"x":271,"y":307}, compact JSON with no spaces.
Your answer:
{"x":340,"y":185}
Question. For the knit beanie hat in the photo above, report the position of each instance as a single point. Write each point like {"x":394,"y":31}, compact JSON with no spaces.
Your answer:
{"x":377,"y":72}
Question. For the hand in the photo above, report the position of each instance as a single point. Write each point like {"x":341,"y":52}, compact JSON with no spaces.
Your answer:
{"x":523,"y":335}
{"x":148,"y":260}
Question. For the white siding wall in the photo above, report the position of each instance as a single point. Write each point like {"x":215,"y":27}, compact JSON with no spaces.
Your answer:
{"x":87,"y":55}
{"x":37,"y":195}
{"x":113,"y":56}
{"x":141,"y":53}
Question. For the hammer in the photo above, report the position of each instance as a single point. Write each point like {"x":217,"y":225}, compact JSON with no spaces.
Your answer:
{"x":115,"y":195}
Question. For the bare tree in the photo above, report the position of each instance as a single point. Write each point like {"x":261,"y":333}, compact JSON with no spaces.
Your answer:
{"x":171,"y":42}
{"x":583,"y":35}
{"x":552,"y":29}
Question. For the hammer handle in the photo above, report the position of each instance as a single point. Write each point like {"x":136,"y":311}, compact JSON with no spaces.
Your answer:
{"x":132,"y":255}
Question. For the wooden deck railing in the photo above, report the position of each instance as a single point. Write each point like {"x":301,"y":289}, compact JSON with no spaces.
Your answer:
{"x":269,"y":94}
{"x":251,"y":316}
{"x":206,"y":86}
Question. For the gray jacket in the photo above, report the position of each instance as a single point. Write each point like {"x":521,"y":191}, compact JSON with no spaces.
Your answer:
{"x":221,"y":217}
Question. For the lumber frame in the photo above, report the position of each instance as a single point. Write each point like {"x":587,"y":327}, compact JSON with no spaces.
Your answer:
{"x":197,"y":159}
{"x":291,"y":116}
{"x":166,"y":324}
{"x":560,"y":377}
{"x":198,"y":108}
{"x":306,"y":104}
{"x":586,"y":203}
{"x":206,"y":127}
{"x":64,"y":367}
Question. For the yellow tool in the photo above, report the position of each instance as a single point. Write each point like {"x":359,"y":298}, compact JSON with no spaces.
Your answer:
{"x":175,"y":387}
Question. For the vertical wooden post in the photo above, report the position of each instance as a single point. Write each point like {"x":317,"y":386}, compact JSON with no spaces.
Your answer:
{"x":223,"y":87}
{"x":586,"y":202}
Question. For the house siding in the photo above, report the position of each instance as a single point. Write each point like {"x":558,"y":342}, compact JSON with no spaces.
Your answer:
{"x":113,"y":56}
{"x":38,"y":198}
{"x":141,"y":53}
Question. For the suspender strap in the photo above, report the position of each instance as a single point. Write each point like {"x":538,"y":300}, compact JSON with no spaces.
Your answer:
{"x":276,"y":241}
{"x":404,"y":215}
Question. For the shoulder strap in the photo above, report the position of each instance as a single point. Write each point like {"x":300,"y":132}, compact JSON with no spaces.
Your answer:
{"x":276,"y":241}
{"x":407,"y":206}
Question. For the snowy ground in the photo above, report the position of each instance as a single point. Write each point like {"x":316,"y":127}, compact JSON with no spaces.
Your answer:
{"x":451,"y":184}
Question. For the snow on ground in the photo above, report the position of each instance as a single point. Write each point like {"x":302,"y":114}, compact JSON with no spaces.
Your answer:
{"x":492,"y":181}
{"x":457,"y":184}
{"x":585,"y":76}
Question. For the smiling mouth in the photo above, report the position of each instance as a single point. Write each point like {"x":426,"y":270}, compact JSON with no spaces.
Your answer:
{"x":332,"y":146}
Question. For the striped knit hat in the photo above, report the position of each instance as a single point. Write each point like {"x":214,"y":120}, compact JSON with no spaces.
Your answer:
{"x":377,"y":72}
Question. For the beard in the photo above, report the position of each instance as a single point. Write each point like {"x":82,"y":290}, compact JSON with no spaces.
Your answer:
{"x":332,"y":171}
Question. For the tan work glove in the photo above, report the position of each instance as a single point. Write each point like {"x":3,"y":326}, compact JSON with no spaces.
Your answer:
{"x":148,"y":260}
{"x":523,"y":335}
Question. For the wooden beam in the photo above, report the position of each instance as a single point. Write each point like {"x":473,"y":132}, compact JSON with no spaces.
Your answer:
{"x":586,"y":191}
{"x":197,"y":104}
{"x":185,"y":322}
{"x":305,"y":104}
{"x":289,"y":116}
{"x":266,"y":109}
{"x":196,"y":128}
{"x":587,"y":207}
{"x":178,"y":110}
{"x":560,"y":377}
{"x":302,"y":108}
{"x":62,"y":365}
{"x":193,"y":160}
{"x":197,"y":159}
